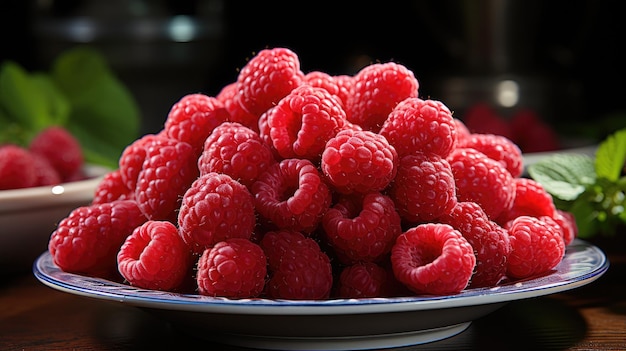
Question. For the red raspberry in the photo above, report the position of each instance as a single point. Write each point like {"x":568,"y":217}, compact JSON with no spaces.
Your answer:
{"x":533,"y":134}
{"x":298,"y":268}
{"x":44,"y":171}
{"x":167,"y":172}
{"x":268,"y":77}
{"x":433,"y":258}
{"x":17,"y":167}
{"x":359,"y":161}
{"x":499,"y":148}
{"x":488,"y":239}
{"x":335,"y":87}
{"x":567,"y":222}
{"x":531,"y":199}
{"x":193,"y":118}
{"x":235,"y":150}
{"x":154,"y":257}
{"x":61,"y":148}
{"x":112,"y":188}
{"x":291,"y":194}
{"x":366,"y":280}
{"x":234,"y":268}
{"x":229,"y":98}
{"x":215,"y":208}
{"x":484,"y":119}
{"x":416,"y":125}
{"x":345,"y":84}
{"x":536,"y":247}
{"x":303,"y":121}
{"x":377,"y":88}
{"x":424,"y":187}
{"x":362,"y":228}
{"x":88,"y":239}
{"x":482,"y":180}
{"x":133,"y":156}
{"x":462,"y":131}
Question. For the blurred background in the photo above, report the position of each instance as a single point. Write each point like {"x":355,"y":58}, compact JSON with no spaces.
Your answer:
{"x":562,"y":60}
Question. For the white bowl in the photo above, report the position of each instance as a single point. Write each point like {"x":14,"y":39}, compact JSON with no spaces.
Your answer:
{"x":29,"y":216}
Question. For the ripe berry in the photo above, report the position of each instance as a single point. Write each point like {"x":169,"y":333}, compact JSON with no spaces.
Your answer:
{"x":531,"y":199}
{"x":17,"y":168}
{"x":366,"y":280}
{"x":112,"y":188}
{"x":499,"y":148}
{"x":61,"y":148}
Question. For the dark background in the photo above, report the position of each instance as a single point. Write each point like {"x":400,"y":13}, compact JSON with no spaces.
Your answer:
{"x":567,"y":55}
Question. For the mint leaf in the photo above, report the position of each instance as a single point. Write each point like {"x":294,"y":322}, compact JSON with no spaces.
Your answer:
{"x":611,"y":155}
{"x":564,"y":176}
{"x":57,"y":107}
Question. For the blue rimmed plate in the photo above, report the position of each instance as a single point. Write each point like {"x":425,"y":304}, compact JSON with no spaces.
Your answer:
{"x":336,"y":324}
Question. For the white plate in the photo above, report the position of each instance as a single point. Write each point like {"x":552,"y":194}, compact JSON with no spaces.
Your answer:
{"x":336,"y":324}
{"x":28,"y":217}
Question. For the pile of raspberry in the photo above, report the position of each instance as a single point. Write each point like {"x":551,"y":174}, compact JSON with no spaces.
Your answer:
{"x":52,"y":156}
{"x":294,"y":185}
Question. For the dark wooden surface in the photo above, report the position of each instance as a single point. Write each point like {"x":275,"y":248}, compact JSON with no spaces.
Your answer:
{"x":36,"y":317}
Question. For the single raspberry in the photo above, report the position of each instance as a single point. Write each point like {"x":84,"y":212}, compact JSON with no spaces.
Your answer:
{"x":112,"y":188}
{"x":236,"y":150}
{"x":416,"y":125}
{"x":488,"y":239}
{"x":345,"y":83}
{"x":482,"y":180}
{"x":229,"y":98}
{"x":362,"y":228}
{"x":462,"y":131}
{"x":215,"y":208}
{"x":433,"y":258}
{"x":366,"y":280}
{"x":88,"y":239}
{"x":193,"y":118}
{"x":483,"y":118}
{"x":359,"y":161}
{"x":377,"y":89}
{"x":291,"y":194}
{"x":61,"y":148}
{"x":567,"y":222}
{"x":17,"y":167}
{"x":303,"y":121}
{"x":268,"y":77}
{"x":531,"y":199}
{"x":298,"y":268}
{"x":536,"y":247}
{"x":167,"y":172}
{"x":154,"y":257}
{"x":333,"y":85}
{"x":234,"y":268}
{"x":424,"y":187}
{"x":499,"y":148}
{"x":45,"y":173}
{"x":133,"y":156}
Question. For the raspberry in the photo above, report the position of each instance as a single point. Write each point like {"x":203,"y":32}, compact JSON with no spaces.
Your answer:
{"x":362,"y":228}
{"x":345,"y":84}
{"x":488,"y":239}
{"x":324,"y":80}
{"x":235,"y":150}
{"x":112,"y":188}
{"x":567,"y":222}
{"x":531,"y":199}
{"x":359,"y":161}
{"x":133,"y":156}
{"x":193,"y":118}
{"x":482,"y":180}
{"x":298,"y":268}
{"x":229,"y":98}
{"x":88,"y":239}
{"x":531,"y":133}
{"x":17,"y":167}
{"x":499,"y":148}
{"x":215,"y":208}
{"x":234,"y":268}
{"x":462,"y":131}
{"x":424,"y":187}
{"x":154,"y":257}
{"x":377,"y":88}
{"x":484,"y":119}
{"x":291,"y":194}
{"x":45,"y":174}
{"x":268,"y":77}
{"x":433,"y":258}
{"x":167,"y":172}
{"x":366,"y":280}
{"x":416,"y":125}
{"x":303,"y":121}
{"x":536,"y":247}
{"x":61,"y":148}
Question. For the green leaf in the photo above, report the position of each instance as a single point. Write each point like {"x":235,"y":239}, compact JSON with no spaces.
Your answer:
{"x":586,"y":218}
{"x":565,"y":176}
{"x":58,"y":107}
{"x":611,"y":155}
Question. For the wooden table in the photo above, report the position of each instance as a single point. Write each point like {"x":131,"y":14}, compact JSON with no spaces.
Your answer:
{"x":36,"y":317}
